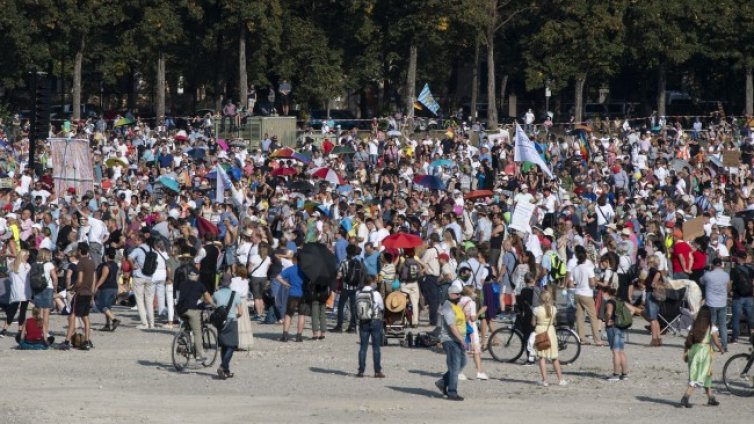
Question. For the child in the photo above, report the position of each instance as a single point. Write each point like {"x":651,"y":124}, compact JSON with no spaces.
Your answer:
{"x":698,"y":354}
{"x":614,"y":334}
{"x":387,"y":275}
{"x":468,"y":305}
{"x":31,"y":336}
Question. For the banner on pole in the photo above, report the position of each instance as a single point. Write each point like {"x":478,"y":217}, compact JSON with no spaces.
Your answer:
{"x":72,"y":165}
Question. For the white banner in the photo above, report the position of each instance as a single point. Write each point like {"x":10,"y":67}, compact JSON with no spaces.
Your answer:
{"x":521,"y":217}
{"x":524,"y":151}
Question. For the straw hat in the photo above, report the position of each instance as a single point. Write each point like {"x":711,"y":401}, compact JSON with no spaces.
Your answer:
{"x":395,"y":302}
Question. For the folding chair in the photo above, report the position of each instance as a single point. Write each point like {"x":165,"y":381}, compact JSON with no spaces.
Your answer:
{"x":670,"y":311}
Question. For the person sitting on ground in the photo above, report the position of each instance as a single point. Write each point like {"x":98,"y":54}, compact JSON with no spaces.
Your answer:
{"x":31,"y":336}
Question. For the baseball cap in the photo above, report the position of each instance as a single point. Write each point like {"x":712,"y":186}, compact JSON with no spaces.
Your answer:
{"x":455,"y":288}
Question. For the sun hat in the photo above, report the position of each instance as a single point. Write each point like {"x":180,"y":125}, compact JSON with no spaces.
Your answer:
{"x":395,"y":302}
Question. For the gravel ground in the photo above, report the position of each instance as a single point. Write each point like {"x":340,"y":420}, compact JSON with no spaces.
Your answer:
{"x":129,"y":377}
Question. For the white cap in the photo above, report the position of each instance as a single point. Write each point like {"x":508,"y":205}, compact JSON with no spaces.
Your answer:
{"x":455,"y":288}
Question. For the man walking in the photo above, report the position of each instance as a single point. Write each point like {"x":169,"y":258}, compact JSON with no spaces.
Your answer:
{"x":453,"y":338}
{"x":716,"y":288}
{"x":82,"y":300}
{"x":351,"y":273}
{"x":370,"y":309}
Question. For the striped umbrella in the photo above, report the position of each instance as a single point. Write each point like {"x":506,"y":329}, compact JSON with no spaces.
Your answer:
{"x":328,"y":175}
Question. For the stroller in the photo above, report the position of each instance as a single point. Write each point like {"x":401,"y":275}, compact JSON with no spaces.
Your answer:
{"x":398,"y":314}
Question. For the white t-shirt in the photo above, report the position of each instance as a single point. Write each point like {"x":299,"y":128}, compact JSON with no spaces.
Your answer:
{"x":258,"y":266}
{"x":581,"y":275}
{"x":161,"y":273}
{"x":48,"y":267}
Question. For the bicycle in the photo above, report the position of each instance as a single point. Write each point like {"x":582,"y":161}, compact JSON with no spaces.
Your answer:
{"x":183,"y":344}
{"x":506,"y":344}
{"x":738,"y":374}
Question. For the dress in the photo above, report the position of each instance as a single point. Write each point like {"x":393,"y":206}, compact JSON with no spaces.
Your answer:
{"x":245,"y":332}
{"x":700,"y":362}
{"x":543,"y":324}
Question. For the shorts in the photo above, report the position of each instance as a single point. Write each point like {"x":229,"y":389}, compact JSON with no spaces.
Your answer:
{"x":257,"y":286}
{"x":82,"y":304}
{"x":297,"y":305}
{"x":230,"y":255}
{"x":651,"y":308}
{"x":43,"y":299}
{"x":105,"y":299}
{"x":615,"y":338}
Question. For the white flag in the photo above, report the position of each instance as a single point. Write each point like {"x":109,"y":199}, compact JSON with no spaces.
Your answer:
{"x":220,"y":188}
{"x":524,"y":151}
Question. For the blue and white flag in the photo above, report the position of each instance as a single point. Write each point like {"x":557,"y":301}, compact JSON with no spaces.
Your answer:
{"x":426,"y":98}
{"x":223,"y":183}
{"x":525,"y":151}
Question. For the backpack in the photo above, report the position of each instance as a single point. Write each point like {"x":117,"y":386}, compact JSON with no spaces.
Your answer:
{"x":37,"y":278}
{"x":354,"y":273}
{"x":150,"y":262}
{"x":623,"y":317}
{"x":219,"y":316}
{"x":557,"y":267}
{"x":365,"y":305}
{"x":742,"y":285}
{"x":410,"y":270}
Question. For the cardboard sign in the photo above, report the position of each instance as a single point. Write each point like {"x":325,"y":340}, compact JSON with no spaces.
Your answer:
{"x":693,"y":228}
{"x":732,"y":158}
{"x":6,"y":183}
{"x":521,"y":217}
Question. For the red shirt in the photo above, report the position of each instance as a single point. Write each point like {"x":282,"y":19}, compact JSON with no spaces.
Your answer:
{"x":681,"y":248}
{"x":700,"y":260}
{"x":33,"y":331}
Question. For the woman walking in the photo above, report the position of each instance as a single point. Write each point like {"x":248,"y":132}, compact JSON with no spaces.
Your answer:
{"x":698,"y":355}
{"x":228,"y":335}
{"x":20,"y":291}
{"x":544,"y":321}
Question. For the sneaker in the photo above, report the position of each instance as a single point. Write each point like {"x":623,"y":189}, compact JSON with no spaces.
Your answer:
{"x":350,"y":330}
{"x":529,"y":363}
{"x":544,"y":384}
{"x":221,"y":373}
{"x":84,"y":346}
{"x":336,"y":330}
{"x":482,"y":376}
{"x":66,"y":345}
{"x":462,"y":377}
{"x":142,"y":327}
{"x":455,"y":397}
{"x":50,"y":340}
{"x":440,"y":384}
{"x":562,"y":383}
{"x":89,"y":344}
{"x":614,"y":377}
{"x":713,"y":402}
{"x":106,"y":328}
{"x":360,"y":375}
{"x":379,"y":375}
{"x":284,"y":338}
{"x":202,"y":360}
{"x":115,"y":324}
{"x":299,"y":338}
{"x":623,"y":377}
{"x":3,"y":333}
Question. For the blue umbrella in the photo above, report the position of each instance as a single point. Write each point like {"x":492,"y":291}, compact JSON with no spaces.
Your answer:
{"x":345,"y":188}
{"x":170,"y":183}
{"x":443,"y":162}
{"x":429,"y":181}
{"x":235,"y":174}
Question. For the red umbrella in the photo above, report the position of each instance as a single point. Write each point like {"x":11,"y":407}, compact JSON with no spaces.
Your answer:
{"x":478,"y":194}
{"x":284,"y":172}
{"x":327,"y":146}
{"x":402,"y":241}
{"x":328,"y":175}
{"x":283,"y":152}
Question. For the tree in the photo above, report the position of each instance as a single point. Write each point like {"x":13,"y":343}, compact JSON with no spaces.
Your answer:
{"x":577,"y":39}
{"x":661,"y":35}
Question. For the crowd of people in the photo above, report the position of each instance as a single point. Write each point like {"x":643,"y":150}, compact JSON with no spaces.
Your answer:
{"x":609,"y":233}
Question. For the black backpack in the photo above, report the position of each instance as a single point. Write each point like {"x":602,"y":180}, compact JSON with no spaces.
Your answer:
{"x":410,"y":271}
{"x":150,"y":262}
{"x":354,"y":273}
{"x":219,"y":316}
{"x":742,"y":285}
{"x":37,"y":278}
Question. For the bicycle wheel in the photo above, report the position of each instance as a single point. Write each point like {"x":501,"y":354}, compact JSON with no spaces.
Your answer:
{"x":506,"y":345}
{"x":181,"y":351}
{"x":569,"y":347}
{"x":209,"y":342}
{"x":738,"y":374}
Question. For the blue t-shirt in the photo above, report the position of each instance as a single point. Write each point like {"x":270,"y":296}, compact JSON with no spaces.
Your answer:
{"x":221,"y":298}
{"x":340,"y":249}
{"x":295,"y":278}
{"x":372,"y":264}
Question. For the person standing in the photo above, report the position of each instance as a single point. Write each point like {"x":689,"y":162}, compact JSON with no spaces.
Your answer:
{"x":352,"y":274}
{"x":142,"y":284}
{"x":543,"y":321}
{"x":614,"y":334}
{"x":285,"y":91}
{"x":20,"y":291}
{"x":742,"y":292}
{"x":206,"y":262}
{"x":43,"y":299}
{"x":229,"y":113}
{"x":698,"y":354}
{"x":429,"y":283}
{"x":251,"y":100}
{"x":453,"y":338}
{"x":159,"y":280}
{"x":293,"y":278}
{"x":717,"y":285}
{"x":370,"y":326}
{"x":228,"y":335}
{"x":106,"y":289}
{"x":582,"y":278}
{"x":82,"y":299}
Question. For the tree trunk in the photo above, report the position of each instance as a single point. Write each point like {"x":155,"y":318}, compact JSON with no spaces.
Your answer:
{"x":76,"y":100}
{"x":503,"y":86}
{"x":411,"y":84}
{"x":131,"y":98}
{"x":243,"y":81}
{"x":662,"y":77}
{"x":749,"y":90}
{"x":491,"y":104}
{"x":160,"y":94}
{"x":475,"y":82}
{"x":579,"y":98}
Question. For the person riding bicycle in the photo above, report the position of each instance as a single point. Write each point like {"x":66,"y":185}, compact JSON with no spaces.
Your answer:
{"x":190,"y":293}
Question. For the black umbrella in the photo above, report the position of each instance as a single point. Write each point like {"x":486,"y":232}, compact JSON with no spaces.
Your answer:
{"x":318,"y":264}
{"x":301,"y":186}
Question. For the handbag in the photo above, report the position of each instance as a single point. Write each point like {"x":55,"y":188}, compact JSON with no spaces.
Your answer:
{"x":542,"y":340}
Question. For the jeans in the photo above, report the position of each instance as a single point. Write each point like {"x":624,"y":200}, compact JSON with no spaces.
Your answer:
{"x":369,"y":329}
{"x":194,"y":318}
{"x":431,"y":293}
{"x":742,"y":305}
{"x":719,"y":318}
{"x":456,"y":361}
{"x":412,"y":289}
{"x":164,"y":299}
{"x":144,"y":292}
{"x":319,"y":316}
{"x":350,"y":297}
{"x":226,"y":354}
{"x":586,"y":303}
